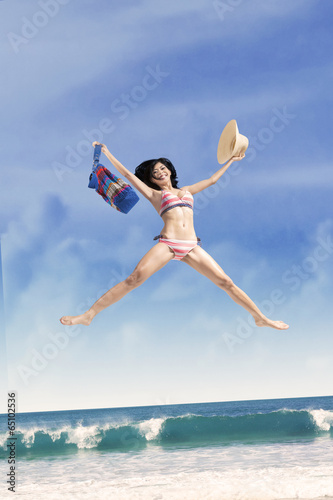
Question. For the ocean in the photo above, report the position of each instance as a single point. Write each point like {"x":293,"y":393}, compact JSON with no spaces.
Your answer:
{"x":241,"y":450}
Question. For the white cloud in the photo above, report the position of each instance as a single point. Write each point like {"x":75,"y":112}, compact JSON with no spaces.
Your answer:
{"x":319,"y":363}
{"x":289,"y":176}
{"x":59,"y":65}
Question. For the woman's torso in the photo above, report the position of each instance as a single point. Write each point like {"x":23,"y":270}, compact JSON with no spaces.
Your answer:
{"x":176,"y":210}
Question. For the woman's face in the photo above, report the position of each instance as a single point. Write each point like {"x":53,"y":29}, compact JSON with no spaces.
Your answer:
{"x":160,"y":174}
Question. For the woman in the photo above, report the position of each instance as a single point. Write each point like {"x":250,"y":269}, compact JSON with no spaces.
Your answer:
{"x":157,"y":181}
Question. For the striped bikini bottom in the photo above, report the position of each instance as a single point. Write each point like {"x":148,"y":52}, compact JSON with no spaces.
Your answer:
{"x":179,"y":247}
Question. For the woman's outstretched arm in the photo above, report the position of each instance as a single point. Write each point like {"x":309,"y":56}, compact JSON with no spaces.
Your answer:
{"x":201,"y":185}
{"x":133,"y":179}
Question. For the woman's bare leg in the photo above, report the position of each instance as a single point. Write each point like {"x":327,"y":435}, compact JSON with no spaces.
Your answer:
{"x":152,"y":262}
{"x":202,"y":262}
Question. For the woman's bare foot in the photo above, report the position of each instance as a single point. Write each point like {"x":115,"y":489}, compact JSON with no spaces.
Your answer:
{"x":279,"y":325}
{"x":82,"y":319}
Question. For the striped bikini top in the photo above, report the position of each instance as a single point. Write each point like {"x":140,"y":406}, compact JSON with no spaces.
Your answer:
{"x":170,"y":201}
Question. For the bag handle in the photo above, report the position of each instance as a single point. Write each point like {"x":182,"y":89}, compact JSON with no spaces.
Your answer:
{"x":97,"y":154}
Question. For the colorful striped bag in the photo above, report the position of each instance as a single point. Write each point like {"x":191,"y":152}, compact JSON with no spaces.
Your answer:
{"x":114,"y":190}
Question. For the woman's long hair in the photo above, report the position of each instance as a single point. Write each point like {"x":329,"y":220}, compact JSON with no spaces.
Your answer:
{"x":145,"y":172}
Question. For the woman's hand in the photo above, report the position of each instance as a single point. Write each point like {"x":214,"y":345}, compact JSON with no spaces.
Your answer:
{"x":238,"y":157}
{"x":104,"y":148}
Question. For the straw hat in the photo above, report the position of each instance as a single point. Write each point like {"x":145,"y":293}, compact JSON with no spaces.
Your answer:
{"x":231,"y":142}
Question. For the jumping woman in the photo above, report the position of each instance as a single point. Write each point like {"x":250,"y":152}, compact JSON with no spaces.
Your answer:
{"x":157,"y":181}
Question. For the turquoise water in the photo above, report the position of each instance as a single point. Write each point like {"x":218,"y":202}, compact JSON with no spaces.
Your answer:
{"x":278,"y":448}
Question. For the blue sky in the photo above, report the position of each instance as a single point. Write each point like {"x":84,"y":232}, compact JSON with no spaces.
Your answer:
{"x":268,"y":222}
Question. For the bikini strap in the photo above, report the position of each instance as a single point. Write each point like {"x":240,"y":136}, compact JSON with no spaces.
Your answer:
{"x":161,"y":236}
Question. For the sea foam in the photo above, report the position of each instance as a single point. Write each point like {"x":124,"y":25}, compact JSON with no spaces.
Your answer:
{"x":186,"y":430}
